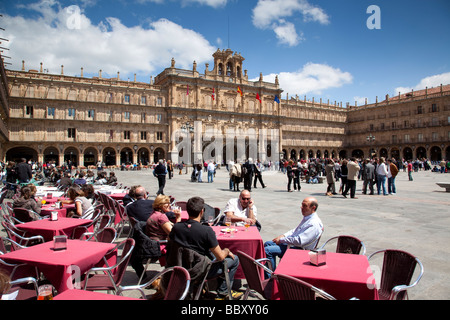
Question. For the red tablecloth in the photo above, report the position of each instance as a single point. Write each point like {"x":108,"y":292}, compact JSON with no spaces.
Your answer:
{"x":344,"y":276}
{"x":118,"y":196}
{"x":47,"y":209}
{"x":249,"y":242}
{"x":53,"y":199}
{"x":59,"y":266}
{"x":48,"y":229}
{"x":75,"y":294}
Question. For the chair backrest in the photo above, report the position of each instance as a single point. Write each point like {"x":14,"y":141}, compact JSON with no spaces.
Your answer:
{"x":196,"y":264}
{"x":22,"y":214}
{"x":104,"y":221}
{"x":251,"y":272}
{"x":296,"y":289}
{"x":178,"y":284}
{"x":398,"y":269}
{"x":127,"y":249}
{"x":347,"y":244}
{"x":107,"y":235}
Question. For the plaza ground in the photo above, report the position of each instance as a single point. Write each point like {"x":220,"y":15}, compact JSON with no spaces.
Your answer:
{"x":415,"y":219}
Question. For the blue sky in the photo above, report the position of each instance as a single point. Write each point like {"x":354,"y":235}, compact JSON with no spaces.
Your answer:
{"x":318,"y":48}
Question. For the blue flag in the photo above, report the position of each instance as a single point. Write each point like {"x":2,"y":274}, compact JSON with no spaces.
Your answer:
{"x":276,"y":99}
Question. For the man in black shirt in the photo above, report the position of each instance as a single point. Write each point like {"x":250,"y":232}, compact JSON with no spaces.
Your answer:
{"x":202,"y":239}
{"x":23,"y":171}
{"x":160,"y":173}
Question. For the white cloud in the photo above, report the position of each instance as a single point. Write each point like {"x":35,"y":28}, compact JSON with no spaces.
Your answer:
{"x":428,"y":82}
{"x":313,"y":78}
{"x":211,"y":3}
{"x":272,"y":14}
{"x":65,"y":36}
{"x":287,"y":34}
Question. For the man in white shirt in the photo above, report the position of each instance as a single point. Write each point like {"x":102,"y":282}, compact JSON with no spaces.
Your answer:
{"x":241,"y":209}
{"x":305,"y":235}
{"x":211,"y":168}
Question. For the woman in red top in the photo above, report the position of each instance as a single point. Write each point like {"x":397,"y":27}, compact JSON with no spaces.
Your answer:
{"x":158,"y":224}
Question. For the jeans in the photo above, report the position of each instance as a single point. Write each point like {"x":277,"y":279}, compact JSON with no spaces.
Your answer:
{"x":273,"y":251}
{"x":391,"y":185}
{"x":381,"y":182}
{"x":217,"y":269}
{"x":210,"y":176}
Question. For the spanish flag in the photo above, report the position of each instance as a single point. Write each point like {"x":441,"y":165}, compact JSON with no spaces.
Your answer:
{"x":239,"y":90}
{"x":258,"y":98}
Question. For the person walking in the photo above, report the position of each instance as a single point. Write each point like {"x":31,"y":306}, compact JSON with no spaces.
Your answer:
{"x":369,"y":176}
{"x":392,"y":173}
{"x":381,"y":176}
{"x":211,"y":169}
{"x":410,"y":169}
{"x":353,"y":170}
{"x":257,"y":168}
{"x":160,"y":173}
{"x":290,"y":175}
{"x":330,"y":172}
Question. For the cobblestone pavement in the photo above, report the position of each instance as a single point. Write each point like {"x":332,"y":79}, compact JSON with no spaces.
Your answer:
{"x":415,"y":219}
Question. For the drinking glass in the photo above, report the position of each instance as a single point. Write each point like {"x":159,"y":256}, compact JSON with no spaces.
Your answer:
{"x":210,"y":221}
{"x":228,"y":221}
{"x":45,"y":292}
{"x":247,"y":224}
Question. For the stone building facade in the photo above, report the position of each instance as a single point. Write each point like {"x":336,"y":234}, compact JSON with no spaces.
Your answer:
{"x":217,"y":113}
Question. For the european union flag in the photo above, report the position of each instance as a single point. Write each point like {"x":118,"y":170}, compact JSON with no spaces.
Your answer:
{"x":276,"y":99}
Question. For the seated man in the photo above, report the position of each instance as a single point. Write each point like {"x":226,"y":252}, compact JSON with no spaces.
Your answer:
{"x":241,"y":209}
{"x":142,"y":207}
{"x":305,"y":235}
{"x":193,"y":235}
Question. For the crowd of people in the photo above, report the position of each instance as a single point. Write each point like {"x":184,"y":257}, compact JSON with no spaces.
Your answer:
{"x":162,"y":219}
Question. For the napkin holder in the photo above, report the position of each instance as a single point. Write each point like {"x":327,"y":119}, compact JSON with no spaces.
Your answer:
{"x":59,"y":243}
{"x":318,"y":257}
{"x":54,"y":216}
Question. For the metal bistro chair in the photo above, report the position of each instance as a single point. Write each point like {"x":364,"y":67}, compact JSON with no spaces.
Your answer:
{"x":347,"y":244}
{"x":19,"y":237}
{"x":111,"y":276}
{"x":252,"y":268}
{"x":177,"y":284}
{"x":295,"y":289}
{"x":24,"y":215}
{"x":397,"y":272}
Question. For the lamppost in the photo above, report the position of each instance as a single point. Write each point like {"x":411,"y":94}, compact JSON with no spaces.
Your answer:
{"x":371,"y":138}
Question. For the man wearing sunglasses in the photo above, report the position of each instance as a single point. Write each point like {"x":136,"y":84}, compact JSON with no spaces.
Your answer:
{"x":242,"y":209}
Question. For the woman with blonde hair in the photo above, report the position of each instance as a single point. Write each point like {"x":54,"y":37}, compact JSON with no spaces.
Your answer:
{"x":158,"y":224}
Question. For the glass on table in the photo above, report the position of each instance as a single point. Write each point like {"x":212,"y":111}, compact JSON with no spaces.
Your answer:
{"x":45,"y":292}
{"x":210,"y":221}
{"x":228,"y":221}
{"x":247,"y":224}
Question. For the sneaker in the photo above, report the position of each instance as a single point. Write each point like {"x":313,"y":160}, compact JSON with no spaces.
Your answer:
{"x":235,"y":295}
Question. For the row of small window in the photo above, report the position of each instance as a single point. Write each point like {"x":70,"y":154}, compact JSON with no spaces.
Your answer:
{"x":434,"y":108}
{"x":406,"y":123}
{"x":420,"y":137}
{"x":71,"y":133}
{"x":90,"y":113}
